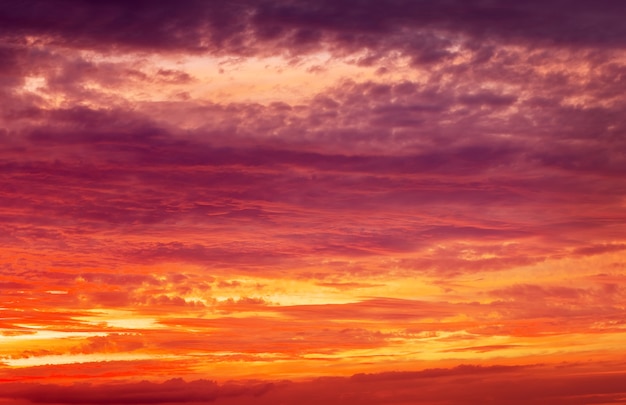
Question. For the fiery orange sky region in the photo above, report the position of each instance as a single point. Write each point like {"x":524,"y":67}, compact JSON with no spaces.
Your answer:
{"x":312,"y":202}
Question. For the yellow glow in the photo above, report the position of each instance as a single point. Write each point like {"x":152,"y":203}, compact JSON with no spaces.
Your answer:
{"x":81,"y":358}
{"x":34,"y":84}
{"x":48,"y":334}
{"x":120,"y":319}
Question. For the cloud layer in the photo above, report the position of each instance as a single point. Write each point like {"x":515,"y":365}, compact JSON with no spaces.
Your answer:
{"x":279,"y":190}
{"x":464,"y":384}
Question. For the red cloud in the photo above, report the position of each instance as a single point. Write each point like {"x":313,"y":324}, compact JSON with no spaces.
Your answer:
{"x":461,"y":385}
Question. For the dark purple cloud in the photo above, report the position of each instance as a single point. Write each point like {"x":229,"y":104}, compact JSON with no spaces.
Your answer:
{"x":247,"y":27}
{"x":123,"y":170}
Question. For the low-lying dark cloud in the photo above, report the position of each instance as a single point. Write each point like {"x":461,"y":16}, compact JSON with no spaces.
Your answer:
{"x":248,"y":27}
{"x":464,"y":384}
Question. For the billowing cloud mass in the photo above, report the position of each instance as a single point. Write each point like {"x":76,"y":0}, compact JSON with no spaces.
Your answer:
{"x":282,"y":201}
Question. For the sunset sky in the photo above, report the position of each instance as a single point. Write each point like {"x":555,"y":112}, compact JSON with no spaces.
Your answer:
{"x":312,"y":202}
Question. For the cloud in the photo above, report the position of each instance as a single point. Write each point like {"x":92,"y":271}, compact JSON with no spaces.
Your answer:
{"x":464,"y":369}
{"x":398,"y":310}
{"x":461,"y":385}
{"x":248,"y":27}
{"x":599,"y":249}
{"x":126,"y":151}
{"x":433,"y":155}
{"x":10,"y":285}
{"x":347,"y":285}
{"x":171,"y":391}
{"x":113,"y":343}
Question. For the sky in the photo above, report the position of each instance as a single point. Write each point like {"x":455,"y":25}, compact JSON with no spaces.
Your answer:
{"x":331,"y":201}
